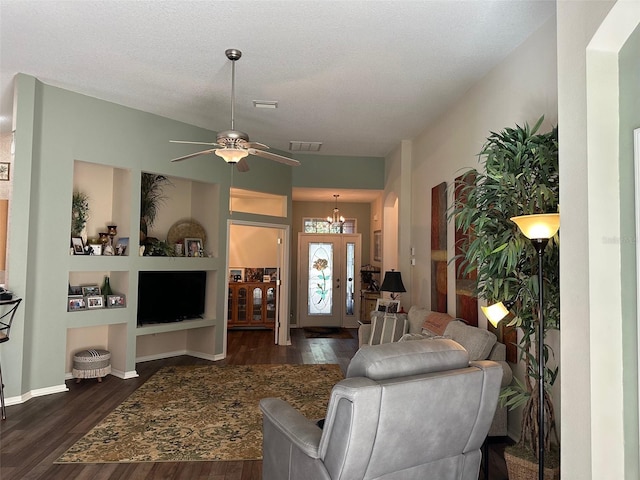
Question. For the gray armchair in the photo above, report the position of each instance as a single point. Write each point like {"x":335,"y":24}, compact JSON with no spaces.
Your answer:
{"x":408,"y":410}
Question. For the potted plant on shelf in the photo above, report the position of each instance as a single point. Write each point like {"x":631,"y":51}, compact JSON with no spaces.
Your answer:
{"x":519,"y":176}
{"x":79,"y":212}
{"x":151,"y":196}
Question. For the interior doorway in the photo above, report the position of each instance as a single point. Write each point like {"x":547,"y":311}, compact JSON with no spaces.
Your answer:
{"x":262,"y":248}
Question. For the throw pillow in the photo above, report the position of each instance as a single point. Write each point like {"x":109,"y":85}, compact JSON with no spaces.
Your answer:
{"x":436,"y":322}
{"x":386,"y":329}
{"x":477,"y":341}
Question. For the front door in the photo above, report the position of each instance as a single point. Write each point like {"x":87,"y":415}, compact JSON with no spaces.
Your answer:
{"x":327,"y":266}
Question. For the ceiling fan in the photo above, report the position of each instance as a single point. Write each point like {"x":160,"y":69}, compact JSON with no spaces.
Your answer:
{"x":232,"y":145}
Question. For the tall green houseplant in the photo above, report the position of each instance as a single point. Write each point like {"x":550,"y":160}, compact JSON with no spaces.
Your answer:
{"x":518,"y":176}
{"x":151,"y":197}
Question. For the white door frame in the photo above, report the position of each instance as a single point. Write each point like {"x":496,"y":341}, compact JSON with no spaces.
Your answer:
{"x":281,"y":333}
{"x":302,"y":289}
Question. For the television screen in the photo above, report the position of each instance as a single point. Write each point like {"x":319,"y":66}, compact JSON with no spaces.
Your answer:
{"x":170,"y":296}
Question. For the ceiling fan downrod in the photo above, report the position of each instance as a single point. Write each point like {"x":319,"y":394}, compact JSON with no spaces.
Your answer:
{"x":233,"y":55}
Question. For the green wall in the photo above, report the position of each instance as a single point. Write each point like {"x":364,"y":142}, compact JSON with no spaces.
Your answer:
{"x":55,"y":127}
{"x":629,"y":120}
{"x":323,"y":171}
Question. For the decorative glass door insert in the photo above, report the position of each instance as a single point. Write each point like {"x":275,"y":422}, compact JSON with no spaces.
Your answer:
{"x":320,"y":279}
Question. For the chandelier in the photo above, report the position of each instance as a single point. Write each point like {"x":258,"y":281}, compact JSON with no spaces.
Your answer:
{"x":336,"y":218}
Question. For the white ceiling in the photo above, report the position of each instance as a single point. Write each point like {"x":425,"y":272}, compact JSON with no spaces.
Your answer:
{"x":358,"y":76}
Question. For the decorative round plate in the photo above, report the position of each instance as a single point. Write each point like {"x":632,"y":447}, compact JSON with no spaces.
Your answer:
{"x":186,"y":228}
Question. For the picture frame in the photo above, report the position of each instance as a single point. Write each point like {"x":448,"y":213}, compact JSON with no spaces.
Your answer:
{"x":193,"y":247}
{"x":78,"y":245}
{"x":393,"y":306}
{"x":272,"y":272}
{"x":75,"y":291}
{"x":95,"y":249}
{"x":253,"y":274}
{"x":266,"y":278}
{"x":116,"y":301}
{"x":377,"y":245}
{"x":121,"y":246}
{"x":90,"y":290}
{"x":76,"y":303}
{"x":236,"y":274}
{"x":94,"y":301}
{"x":5,"y":168}
{"x":382,"y":304}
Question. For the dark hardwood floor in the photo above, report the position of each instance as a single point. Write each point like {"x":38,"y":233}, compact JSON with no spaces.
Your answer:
{"x":37,"y":432}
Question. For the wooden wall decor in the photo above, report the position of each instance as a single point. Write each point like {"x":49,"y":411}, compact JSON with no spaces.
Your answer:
{"x":439,"y":248}
{"x":466,"y":301}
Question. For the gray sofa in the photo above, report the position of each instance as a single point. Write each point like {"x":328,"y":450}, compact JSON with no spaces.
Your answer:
{"x":481,"y":345}
{"x":399,"y":415}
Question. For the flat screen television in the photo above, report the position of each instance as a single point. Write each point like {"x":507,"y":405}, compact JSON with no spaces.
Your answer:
{"x":170,"y":296}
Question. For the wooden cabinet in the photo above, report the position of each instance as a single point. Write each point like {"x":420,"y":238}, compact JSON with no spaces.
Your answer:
{"x":252,"y":304}
{"x":368,"y":302}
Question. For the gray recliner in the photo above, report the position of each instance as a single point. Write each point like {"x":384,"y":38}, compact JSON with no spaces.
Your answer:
{"x":408,"y":410}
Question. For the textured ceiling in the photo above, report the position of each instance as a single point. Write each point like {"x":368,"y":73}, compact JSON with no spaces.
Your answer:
{"x":358,"y":76}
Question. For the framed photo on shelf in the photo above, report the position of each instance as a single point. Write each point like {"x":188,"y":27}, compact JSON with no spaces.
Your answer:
{"x":78,"y":245}
{"x":236,"y":274}
{"x":90,"y":290}
{"x":393,"y":306}
{"x":121,"y":246}
{"x":95,"y":301}
{"x":193,"y":247}
{"x":382,"y":304}
{"x":253,"y":274}
{"x":75,"y":290}
{"x":75,"y":303}
{"x":272,"y":272}
{"x":116,"y":301}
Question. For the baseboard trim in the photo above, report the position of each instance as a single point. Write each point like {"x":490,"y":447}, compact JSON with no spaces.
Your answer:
{"x":177,"y":353}
{"x":38,"y":392}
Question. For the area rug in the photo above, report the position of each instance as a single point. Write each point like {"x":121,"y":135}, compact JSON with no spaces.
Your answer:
{"x":192,"y":413}
{"x":327,"y":332}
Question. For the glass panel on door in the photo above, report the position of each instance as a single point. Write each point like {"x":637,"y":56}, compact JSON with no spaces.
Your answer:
{"x":350,"y":284}
{"x":320,"y":299}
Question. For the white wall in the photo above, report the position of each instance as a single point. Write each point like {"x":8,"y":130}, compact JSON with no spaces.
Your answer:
{"x":521,"y":89}
{"x":254,"y":247}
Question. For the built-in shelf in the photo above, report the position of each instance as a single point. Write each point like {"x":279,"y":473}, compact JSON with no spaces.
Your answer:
{"x":174,"y":326}
{"x":113,"y":200}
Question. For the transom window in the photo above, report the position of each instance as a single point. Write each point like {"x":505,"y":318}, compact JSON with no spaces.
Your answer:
{"x":320,"y":225}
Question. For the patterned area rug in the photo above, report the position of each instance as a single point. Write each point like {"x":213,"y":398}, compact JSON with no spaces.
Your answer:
{"x":202,"y":413}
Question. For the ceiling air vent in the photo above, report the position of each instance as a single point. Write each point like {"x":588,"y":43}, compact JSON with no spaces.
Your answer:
{"x":296,"y":146}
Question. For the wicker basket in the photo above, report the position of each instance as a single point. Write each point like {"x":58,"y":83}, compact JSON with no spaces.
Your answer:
{"x":91,"y":364}
{"x":521,"y":469}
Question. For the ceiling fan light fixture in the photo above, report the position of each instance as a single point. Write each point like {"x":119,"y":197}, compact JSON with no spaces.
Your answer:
{"x":232,"y":155}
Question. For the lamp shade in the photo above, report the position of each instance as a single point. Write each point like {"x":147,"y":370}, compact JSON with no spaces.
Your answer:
{"x":538,"y":226}
{"x":232,"y":155}
{"x":392,"y":282}
{"x":497,"y":311}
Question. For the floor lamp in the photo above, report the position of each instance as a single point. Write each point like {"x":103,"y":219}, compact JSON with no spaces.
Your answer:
{"x":539,"y":229}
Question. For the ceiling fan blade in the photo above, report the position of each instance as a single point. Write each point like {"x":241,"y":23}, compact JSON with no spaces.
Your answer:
{"x":275,"y":157}
{"x":257,"y":145}
{"x":242,"y":165}
{"x":179,"y":159}
{"x":194,"y":143}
